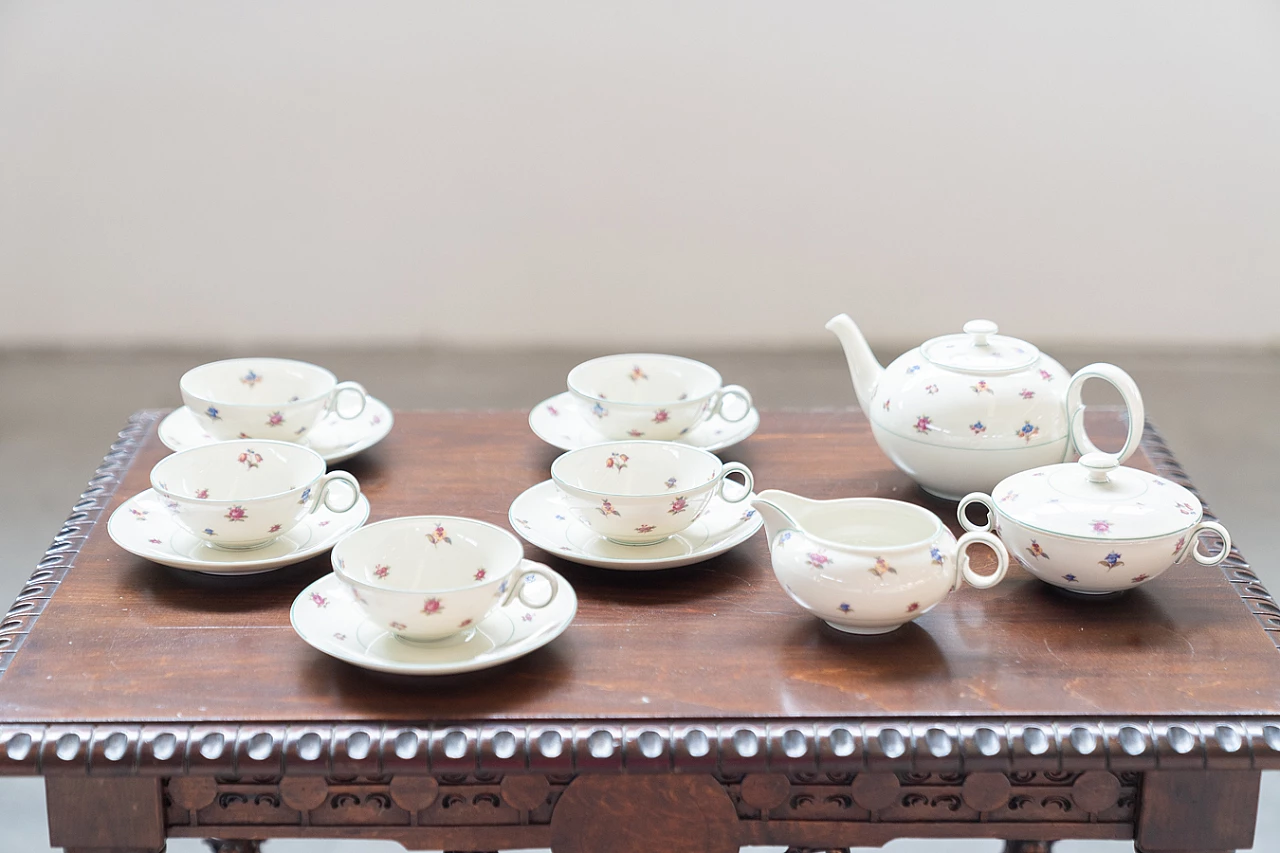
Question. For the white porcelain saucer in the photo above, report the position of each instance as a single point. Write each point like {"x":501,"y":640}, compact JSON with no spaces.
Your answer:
{"x":143,"y":526}
{"x":327,"y":617}
{"x":556,"y":422}
{"x":336,"y":439}
{"x":541,"y":515}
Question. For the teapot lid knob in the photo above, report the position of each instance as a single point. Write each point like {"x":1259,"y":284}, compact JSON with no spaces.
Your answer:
{"x":1099,"y":465}
{"x":980,"y":330}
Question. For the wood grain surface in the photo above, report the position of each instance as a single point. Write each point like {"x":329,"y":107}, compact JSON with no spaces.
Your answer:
{"x":125,"y":639}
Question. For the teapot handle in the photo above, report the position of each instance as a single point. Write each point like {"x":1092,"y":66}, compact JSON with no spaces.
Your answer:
{"x":1128,"y":389}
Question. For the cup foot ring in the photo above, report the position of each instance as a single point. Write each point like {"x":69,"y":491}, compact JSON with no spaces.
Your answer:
{"x":868,"y":632}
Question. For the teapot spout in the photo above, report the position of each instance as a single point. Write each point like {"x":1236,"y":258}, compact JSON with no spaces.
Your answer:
{"x":776,"y":508}
{"x":863,"y":367}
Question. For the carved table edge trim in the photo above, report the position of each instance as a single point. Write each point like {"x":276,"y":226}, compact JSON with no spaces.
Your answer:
{"x":61,"y":554}
{"x":727,"y":747}
{"x":1240,"y":575}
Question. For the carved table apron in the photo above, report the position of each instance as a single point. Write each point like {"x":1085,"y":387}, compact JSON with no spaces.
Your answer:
{"x":696,"y":709}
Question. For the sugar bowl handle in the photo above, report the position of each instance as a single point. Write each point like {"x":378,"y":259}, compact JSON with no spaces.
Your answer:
{"x":1192,"y":545}
{"x":717,"y":408}
{"x":1132,"y":402}
{"x":347,"y":388}
{"x":976,"y":498}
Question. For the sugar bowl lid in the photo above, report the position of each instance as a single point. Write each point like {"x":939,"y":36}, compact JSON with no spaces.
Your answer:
{"x":1097,"y":498}
{"x":980,"y":350}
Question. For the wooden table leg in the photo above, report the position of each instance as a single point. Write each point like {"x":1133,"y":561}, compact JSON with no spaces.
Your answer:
{"x":233,"y":845}
{"x":1197,"y":811}
{"x":120,"y":815}
{"x":1028,"y":846}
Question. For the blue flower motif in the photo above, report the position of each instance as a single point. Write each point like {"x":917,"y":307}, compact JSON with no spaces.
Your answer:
{"x":936,"y":556}
{"x":212,"y":412}
{"x":1071,"y":579}
{"x":209,"y":531}
{"x":502,"y":587}
{"x":1111,"y":560}
{"x":306,"y":493}
{"x":599,"y":411}
{"x":844,"y":608}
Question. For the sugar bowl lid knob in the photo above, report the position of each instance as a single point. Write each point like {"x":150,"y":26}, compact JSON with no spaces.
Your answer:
{"x":1099,"y":465}
{"x":979,"y":331}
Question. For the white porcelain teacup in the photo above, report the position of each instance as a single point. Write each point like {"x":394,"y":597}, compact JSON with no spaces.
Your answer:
{"x":641,"y":492}
{"x":651,"y":396}
{"x":246,"y":493}
{"x":427,"y":578}
{"x":272,"y":398}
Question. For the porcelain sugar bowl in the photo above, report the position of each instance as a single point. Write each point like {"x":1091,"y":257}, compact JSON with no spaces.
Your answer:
{"x":1094,"y":526}
{"x":867,"y":565}
{"x":961,"y":412}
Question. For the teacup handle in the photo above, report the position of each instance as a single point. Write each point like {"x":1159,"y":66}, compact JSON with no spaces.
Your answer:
{"x":736,"y":468}
{"x":971,"y":577}
{"x":322,"y":491}
{"x":976,"y":498}
{"x":518,"y":586}
{"x":1193,"y":544}
{"x":348,"y":388}
{"x":1128,"y":389}
{"x":717,"y":408}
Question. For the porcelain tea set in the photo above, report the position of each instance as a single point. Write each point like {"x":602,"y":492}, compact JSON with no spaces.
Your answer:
{"x":978,"y":417}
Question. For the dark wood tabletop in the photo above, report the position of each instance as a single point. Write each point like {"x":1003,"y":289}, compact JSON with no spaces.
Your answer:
{"x":718,"y":639}
{"x":114,"y":666}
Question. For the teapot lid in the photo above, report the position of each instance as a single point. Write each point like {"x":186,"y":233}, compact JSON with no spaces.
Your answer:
{"x":1097,"y":498}
{"x":980,"y":350}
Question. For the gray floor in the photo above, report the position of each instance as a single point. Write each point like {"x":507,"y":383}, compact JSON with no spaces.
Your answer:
{"x":1216,"y":408}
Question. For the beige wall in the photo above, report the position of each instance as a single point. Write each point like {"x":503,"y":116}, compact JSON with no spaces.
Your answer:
{"x":643,"y":175}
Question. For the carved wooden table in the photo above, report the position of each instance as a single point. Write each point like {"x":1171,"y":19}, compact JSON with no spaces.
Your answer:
{"x":697,"y":709}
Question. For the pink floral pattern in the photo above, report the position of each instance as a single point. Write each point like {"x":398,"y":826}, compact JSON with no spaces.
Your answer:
{"x":645,"y":528}
{"x":661,"y":416}
{"x":1036,"y":550}
{"x":249,"y":459}
{"x":1046,"y":376}
{"x":464,"y":623}
{"x":480,"y":574}
{"x":1140,"y":578}
{"x":1100,"y":526}
{"x":1182,"y":540}
{"x":555,"y":413}
{"x":982,"y":387}
{"x":635,"y":433}
{"x":923,"y":424}
{"x":432,"y":606}
{"x":439,"y":535}
{"x":678,"y":506}
{"x":932,"y":389}
{"x":819,"y":560}
{"x":155,"y":541}
{"x":882,"y":568}
{"x":236,"y":513}
{"x":319,"y":600}
{"x":617,"y":461}
{"x":1009,"y":496}
{"x":275,"y":419}
{"x":1026,"y":394}
{"x":380,"y":571}
{"x":606,"y":508}
{"x":201,"y":494}
{"x":139,"y":514}
{"x":1185,"y":508}
{"x":886,"y":404}
{"x":275,"y":528}
{"x":398,"y":626}
{"x":637,"y":374}
{"x":913,"y":607}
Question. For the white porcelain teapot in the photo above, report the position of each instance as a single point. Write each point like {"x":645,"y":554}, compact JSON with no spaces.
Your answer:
{"x":961,"y":412}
